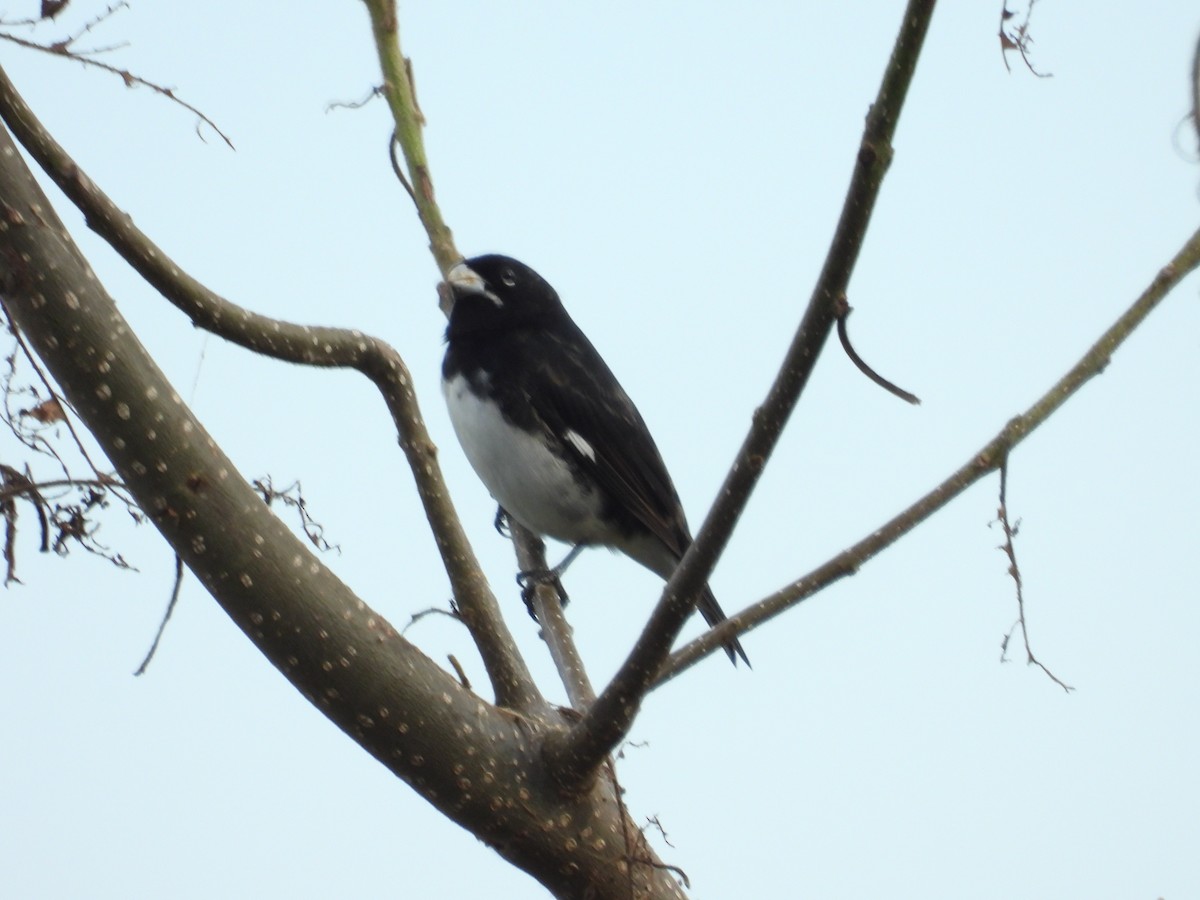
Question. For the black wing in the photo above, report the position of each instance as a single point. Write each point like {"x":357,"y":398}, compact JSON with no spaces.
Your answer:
{"x":575,"y":393}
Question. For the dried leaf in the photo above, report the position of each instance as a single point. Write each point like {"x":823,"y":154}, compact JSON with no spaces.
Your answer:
{"x":50,"y":411}
{"x":51,"y":8}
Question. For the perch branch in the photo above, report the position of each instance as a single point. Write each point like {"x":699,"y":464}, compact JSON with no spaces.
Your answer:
{"x":402,"y":100}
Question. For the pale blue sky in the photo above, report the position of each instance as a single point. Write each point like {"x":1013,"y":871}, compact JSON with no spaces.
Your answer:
{"x":675,"y":171}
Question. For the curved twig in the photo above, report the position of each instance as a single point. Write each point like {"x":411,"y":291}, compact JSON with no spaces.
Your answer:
{"x":176,"y":586}
{"x":308,"y":345}
{"x":843,"y":310}
{"x":393,"y":143}
{"x":610,"y":717}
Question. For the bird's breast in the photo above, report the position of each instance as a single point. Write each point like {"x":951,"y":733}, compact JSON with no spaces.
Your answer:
{"x":525,"y":471}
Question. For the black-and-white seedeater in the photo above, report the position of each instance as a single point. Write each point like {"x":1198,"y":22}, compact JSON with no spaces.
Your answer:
{"x":548,"y":428}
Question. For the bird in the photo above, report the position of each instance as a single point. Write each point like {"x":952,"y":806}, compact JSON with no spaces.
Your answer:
{"x":550,"y":431}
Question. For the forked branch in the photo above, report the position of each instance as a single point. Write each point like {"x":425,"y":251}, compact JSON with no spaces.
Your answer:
{"x":987,"y":459}
{"x":308,"y":345}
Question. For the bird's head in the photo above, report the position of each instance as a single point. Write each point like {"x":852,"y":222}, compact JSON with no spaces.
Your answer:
{"x":498,"y":292}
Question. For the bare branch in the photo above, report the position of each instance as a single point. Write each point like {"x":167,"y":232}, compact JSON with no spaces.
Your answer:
{"x":987,"y":459}
{"x":63,"y":48}
{"x":293,"y":496}
{"x":1014,"y":570}
{"x":610,"y":717}
{"x":1018,"y":37}
{"x":93,"y":23}
{"x":548,"y":610}
{"x":309,"y":345}
{"x":431,"y":611}
{"x":402,"y":100}
{"x":33,"y":362}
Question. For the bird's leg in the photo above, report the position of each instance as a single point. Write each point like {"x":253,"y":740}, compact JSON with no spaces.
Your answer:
{"x":562,"y":567}
{"x":530,"y":580}
{"x":500,"y":523}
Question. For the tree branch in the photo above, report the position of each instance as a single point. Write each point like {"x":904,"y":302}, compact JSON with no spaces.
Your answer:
{"x":401,"y":96}
{"x":321,"y":636}
{"x":63,"y":50}
{"x":307,"y":345}
{"x":402,"y":100}
{"x":610,"y":718}
{"x":987,"y":459}
{"x":479,"y":764}
{"x":556,"y":631}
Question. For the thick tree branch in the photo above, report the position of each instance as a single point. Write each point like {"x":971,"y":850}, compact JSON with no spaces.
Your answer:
{"x":479,"y":764}
{"x":308,"y":345}
{"x":610,"y":718}
{"x":987,"y":459}
{"x":322,"y":637}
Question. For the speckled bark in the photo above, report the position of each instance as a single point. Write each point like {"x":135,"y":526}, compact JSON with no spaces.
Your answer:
{"x":477,"y":763}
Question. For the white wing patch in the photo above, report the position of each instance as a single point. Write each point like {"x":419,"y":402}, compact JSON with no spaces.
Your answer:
{"x":575,"y":439}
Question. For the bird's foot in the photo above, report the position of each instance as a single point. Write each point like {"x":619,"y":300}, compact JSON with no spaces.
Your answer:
{"x":500,"y":523}
{"x":529,"y":582}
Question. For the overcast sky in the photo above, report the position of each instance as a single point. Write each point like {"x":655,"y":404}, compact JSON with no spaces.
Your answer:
{"x":675,"y":170}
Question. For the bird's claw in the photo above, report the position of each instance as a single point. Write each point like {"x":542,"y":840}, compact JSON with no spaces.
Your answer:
{"x":529,"y":581}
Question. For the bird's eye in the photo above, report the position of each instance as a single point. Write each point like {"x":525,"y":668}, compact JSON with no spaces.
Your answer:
{"x":508,"y":277}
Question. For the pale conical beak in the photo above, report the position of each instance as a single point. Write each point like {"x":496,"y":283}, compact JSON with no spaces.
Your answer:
{"x":463,"y":280}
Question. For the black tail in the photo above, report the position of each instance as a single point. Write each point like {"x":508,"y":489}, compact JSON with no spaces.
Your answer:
{"x":714,"y":615}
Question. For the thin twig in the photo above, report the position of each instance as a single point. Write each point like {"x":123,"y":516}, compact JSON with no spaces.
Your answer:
{"x":430,"y":611}
{"x":41,"y":486}
{"x":293,"y":496}
{"x":402,"y":100}
{"x":1014,"y":570}
{"x":1019,"y":38}
{"x":32,"y":359}
{"x":93,"y":23}
{"x":162,"y":626}
{"x":548,"y":610}
{"x":393,"y":143}
{"x":843,"y":313}
{"x":376,"y":92}
{"x":458,"y":670}
{"x":124,"y":74}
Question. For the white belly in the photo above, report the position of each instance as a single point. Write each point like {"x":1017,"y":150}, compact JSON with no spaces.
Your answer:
{"x":535,"y":486}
